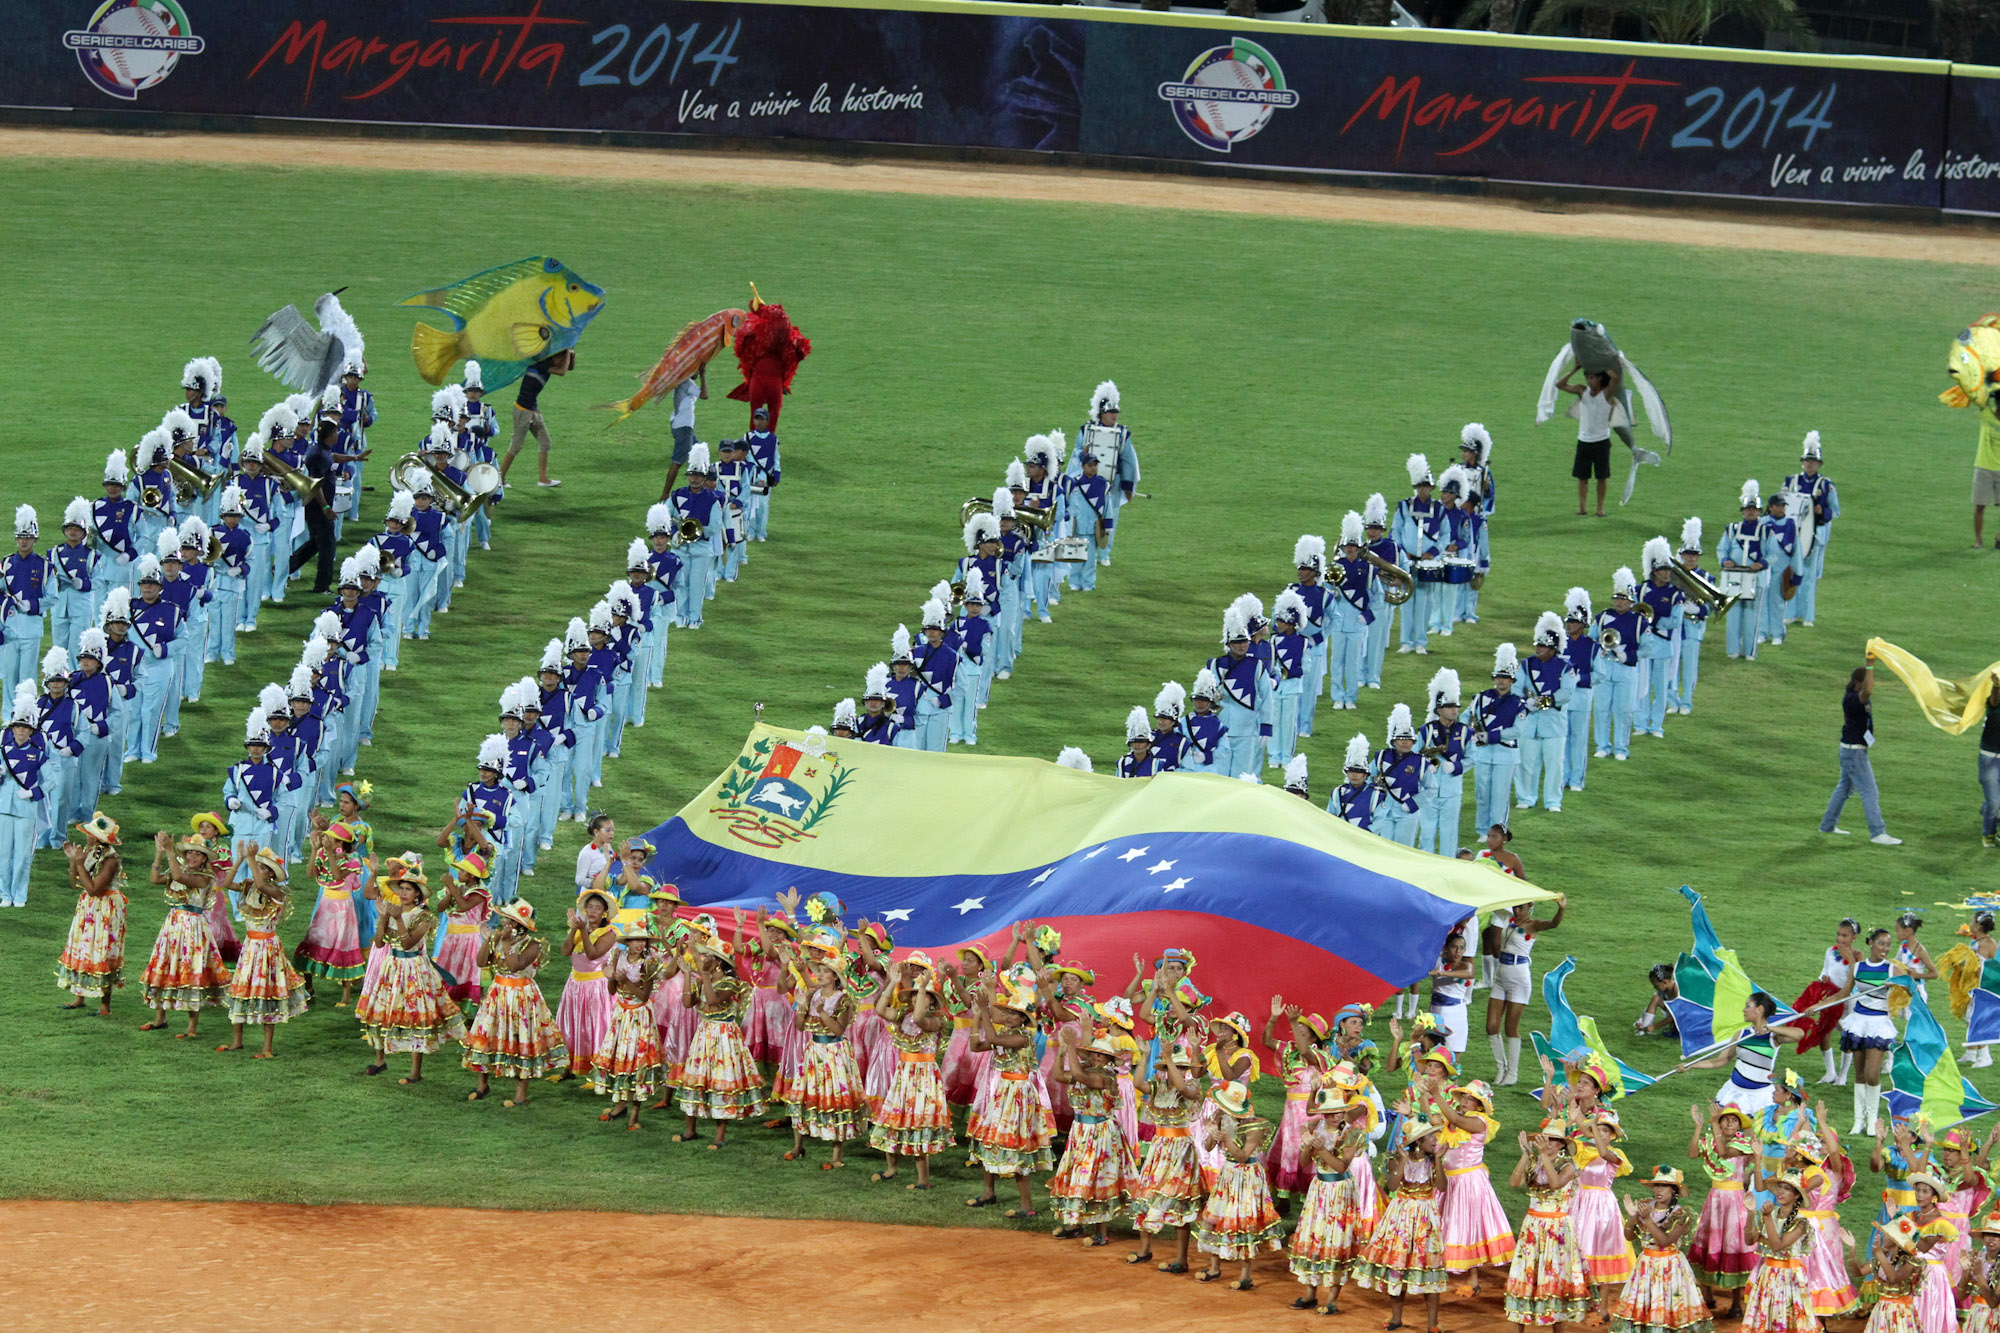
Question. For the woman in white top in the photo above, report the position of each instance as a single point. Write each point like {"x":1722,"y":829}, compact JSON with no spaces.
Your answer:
{"x":1822,"y":1029}
{"x":1513,"y":985}
{"x":1595,"y":398}
{"x":598,"y":854}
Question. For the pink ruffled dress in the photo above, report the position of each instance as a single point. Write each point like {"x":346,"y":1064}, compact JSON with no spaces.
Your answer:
{"x":585,"y":1010}
{"x":1285,"y":1166}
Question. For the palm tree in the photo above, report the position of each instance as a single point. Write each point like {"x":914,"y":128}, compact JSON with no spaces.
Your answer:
{"x":1959,"y":23}
{"x":1683,"y":22}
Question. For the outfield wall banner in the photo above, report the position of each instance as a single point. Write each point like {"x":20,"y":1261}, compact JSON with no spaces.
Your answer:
{"x":1112,"y":83}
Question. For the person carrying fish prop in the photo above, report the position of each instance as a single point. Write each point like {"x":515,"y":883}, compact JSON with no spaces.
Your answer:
{"x":1609,"y":373}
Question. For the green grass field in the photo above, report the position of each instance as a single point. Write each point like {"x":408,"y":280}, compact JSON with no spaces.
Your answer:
{"x":1274,"y":373}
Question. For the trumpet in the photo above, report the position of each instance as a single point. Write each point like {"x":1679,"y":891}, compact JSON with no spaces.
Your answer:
{"x":1401,"y":585}
{"x":957,"y":596}
{"x":1699,"y":590}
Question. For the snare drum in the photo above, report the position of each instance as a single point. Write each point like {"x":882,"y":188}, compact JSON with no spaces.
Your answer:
{"x":1738,"y":583}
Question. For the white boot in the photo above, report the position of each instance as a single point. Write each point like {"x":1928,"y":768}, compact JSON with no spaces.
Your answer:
{"x":1874,"y":1107}
{"x":1499,"y":1045}
{"x":1832,"y":1074}
{"x":1846,"y":1067}
{"x":1860,"y":1108}
{"x":1513,"y":1061}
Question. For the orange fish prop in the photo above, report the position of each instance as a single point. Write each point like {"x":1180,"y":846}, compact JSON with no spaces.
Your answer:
{"x":690,"y":351}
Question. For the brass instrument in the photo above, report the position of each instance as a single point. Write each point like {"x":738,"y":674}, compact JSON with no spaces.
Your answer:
{"x":190,"y":482}
{"x":1401,"y":586}
{"x":483,"y":481}
{"x":1478,"y":581}
{"x":973,"y":506}
{"x":1699,"y":590}
{"x":214,"y":552}
{"x":957,"y":596}
{"x":1432,"y":752}
{"x":451,"y":497}
{"x":1040,"y":520}
{"x":150,"y":497}
{"x":688,"y":532}
{"x":298,"y":483}
{"x":1645,"y":609}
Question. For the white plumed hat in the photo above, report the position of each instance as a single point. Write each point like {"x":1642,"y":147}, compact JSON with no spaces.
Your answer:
{"x":1171,"y":701}
{"x":1357,"y":754}
{"x":636,"y":555}
{"x":447,"y":403}
{"x":77,"y":513}
{"x":698,"y":459}
{"x":194,"y":534}
{"x":941,"y":592}
{"x":1576,"y":604}
{"x":1071,"y":757}
{"x":1234,"y":626}
{"x":1104,"y":398}
{"x":1309,"y":552}
{"x":1691,"y":536}
{"x":552,"y":656}
{"x":168,"y":544}
{"x":1003,"y":503}
{"x":26,"y":711}
{"x":350,"y":573}
{"x":1811,"y":447}
{"x":1419,"y":469}
{"x":1506,"y":662}
{"x":934,"y":615}
{"x":975,"y":586}
{"x":402,"y":506}
{"x":26,"y":524}
{"x":510,"y":701}
{"x":313,"y":654}
{"x":116,"y":471}
{"x":276,"y":421}
{"x":844,"y":716}
{"x":1290,"y":608}
{"x":875,"y":684}
{"x":152,"y":448}
{"x":302,"y":405}
{"x":253,"y":449}
{"x":659,"y":519}
{"x":1206,"y":686}
{"x":1752,"y":495}
{"x":148,"y":569}
{"x":1401,"y":723}
{"x":1044,"y":451}
{"x":1252,"y":608}
{"x":1375,"y":511}
{"x":472,"y":380}
{"x":1443,"y":691}
{"x":232,"y":499}
{"x":1138,"y":726}
{"x":1548,"y":630}
{"x":576,"y":636}
{"x":600,"y":617}
{"x":980,"y":528}
{"x":195,"y":374}
{"x":92,"y":643}
{"x":273,"y":701}
{"x":326,"y":625}
{"x":1455,"y":480}
{"x":300,"y":686}
{"x":117,"y":605}
{"x":55,"y":662}
{"x":179,"y":425}
{"x":368,"y":561}
{"x":1017,"y":475}
{"x":1623,"y":584}
{"x":531,"y":694}
{"x":899,"y":645}
{"x":443,"y":439}
{"x":1656,"y":554}
{"x":493,"y":753}
{"x":1295,"y":774}
{"x":624,"y":601}
{"x":1475,"y":438}
{"x":257,"y":730}
{"x":1351,"y":530}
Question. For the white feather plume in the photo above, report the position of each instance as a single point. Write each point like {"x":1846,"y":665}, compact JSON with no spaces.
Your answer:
{"x":698,"y":459}
{"x":1751,"y":497}
{"x":875,"y":684}
{"x":899,"y":644}
{"x":844,"y":715}
{"x":1309,"y":552}
{"x":1206,"y":686}
{"x":600,"y":617}
{"x":448,"y":403}
{"x":493,"y":752}
{"x":1017,"y":475}
{"x":1103,"y":398}
{"x":1548,"y":630}
{"x":1234,"y":626}
{"x":934,"y":614}
{"x":1375,"y":511}
{"x":1656,"y":554}
{"x":1442,"y":690}
{"x":1295,"y":773}
{"x":636,"y":555}
{"x":117,"y":606}
{"x":1475,"y":437}
{"x":1811,"y":447}
{"x":300,"y":686}
{"x":975,"y":585}
{"x":1691,"y":536}
{"x":279,"y":420}
{"x":576,"y":635}
{"x":1171,"y":701}
{"x":1352,"y":533}
{"x":167,"y":545}
{"x":147,"y":570}
{"x":1401,"y":723}
{"x":314,"y":653}
{"x":26,"y":523}
{"x":256,"y":730}
{"x":659,"y":518}
{"x":1291,"y":608}
{"x":273,"y":701}
{"x":472,"y":379}
{"x":1357,"y":754}
{"x":1003,"y":504}
{"x":1506,"y":662}
{"x":1071,"y":757}
{"x":552,"y":656}
{"x":443,"y":439}
{"x":92,"y":643}
{"x":1623,"y":583}
{"x":1138,"y":726}
{"x":115,"y":468}
{"x":1419,"y":469}
{"x":178,"y":422}
{"x":1576,"y":604}
{"x":55,"y":662}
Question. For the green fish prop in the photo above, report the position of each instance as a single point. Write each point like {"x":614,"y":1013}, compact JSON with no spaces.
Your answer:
{"x":506,"y":318}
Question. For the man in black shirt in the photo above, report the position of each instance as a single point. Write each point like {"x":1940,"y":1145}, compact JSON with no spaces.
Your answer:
{"x":528,"y":413}
{"x":1857,"y":778}
{"x":1989,"y":767}
{"x":319,"y":465}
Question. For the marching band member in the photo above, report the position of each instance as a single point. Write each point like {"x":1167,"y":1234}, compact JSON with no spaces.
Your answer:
{"x":357,"y":414}
{"x":663,"y":566}
{"x":1288,"y":666}
{"x":1442,"y":744}
{"x":877,"y":724}
{"x":1017,"y":551}
{"x":588,"y":704}
{"x":699,"y":501}
{"x":1659,"y":638}
{"x":365,"y":636}
{"x":1375,"y":521}
{"x":1297,"y":780}
{"x":156,"y":489}
{"x":648,"y":623}
{"x":1780,"y":541}
{"x":121,"y":671}
{"x":731,"y":480}
{"x":611,"y":649}
{"x":24,"y":586}
{"x":1245,"y":686}
{"x":1357,"y":799}
{"x":1123,"y":476}
{"x":59,"y":733}
{"x":280,"y":445}
{"x":250,"y":792}
{"x":1742,"y":550}
{"x":982,"y":555}
{"x":1478,"y":552}
{"x":1043,"y":468}
{"x":1494,"y":730}
{"x":111,"y":522}
{"x":1544,"y":744}
{"x":555,"y":716}
{"x":936,"y":669}
{"x":1309,"y":555}
{"x":1087,"y":508}
{"x":846,"y":720}
{"x":229,"y":578}
{"x":532,"y":751}
{"x":481,"y":425}
{"x":765,"y":472}
{"x":1825,"y":509}
{"x":903,"y":689}
{"x":260,"y":517}
{"x":1694,"y":625}
{"x":1401,"y":774}
{"x":1170,"y":742}
{"x":975,"y":634}
{"x":395,"y":554}
{"x":73,"y":593}
{"x":1475,"y":455}
{"x":453,"y":534}
{"x":505,"y":809}
{"x":201,"y":389}
{"x":1419,"y":550}
{"x":1461,"y":548}
{"x":1617,"y":669}
{"x":23,"y":757}
{"x":289,"y":791}
{"x":92,"y":689}
{"x":1581,"y":649}
{"x":196,"y":539}
{"x":1139,"y":761}
{"x":430,"y":556}
{"x":1203,"y":727}
{"x":155,"y":623}
{"x":184,"y":589}
{"x":1355,"y":614}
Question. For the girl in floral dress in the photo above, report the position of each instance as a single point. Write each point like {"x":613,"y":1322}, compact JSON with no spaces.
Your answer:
{"x":1777,"y":1299}
{"x":350,"y":804}
{"x":212,"y":831}
{"x":626,"y":1066}
{"x":408,"y":1011}
{"x":332,"y":944}
{"x":1476,"y":1233}
{"x":1721,"y":1252}
{"x":1935,"y":1307}
{"x":1662,"y":1295}
{"x":1301,"y":1063}
{"x":1898,"y":1274}
{"x":673,"y":1020}
{"x":1230,"y":1060}
{"x":514,"y":1034}
{"x":1169,"y":1192}
{"x":263,"y":991}
{"x":719,"y":1080}
{"x":913,"y":1120}
{"x":1600,"y":1229}
{"x":1547,"y":1283}
{"x":1238,"y":1221}
{"x":1979,"y":1284}
{"x":1405,"y":1255}
{"x":1010,"y":1128}
{"x":961,"y":1069}
{"x":185,"y":971}
{"x":1098,"y":1173}
{"x":1066,"y":1008}
{"x":1329,"y":1236}
{"x":93,"y":958}
{"x":386,"y":893}
{"x":467,"y":902}
{"x":585,"y":1008}
{"x":1833,"y":1293}
{"x":827,"y":1103}
{"x":1115,"y":1020}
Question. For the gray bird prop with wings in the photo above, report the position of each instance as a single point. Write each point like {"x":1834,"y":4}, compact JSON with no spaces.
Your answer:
{"x":303,"y":358}
{"x":1591,"y":348}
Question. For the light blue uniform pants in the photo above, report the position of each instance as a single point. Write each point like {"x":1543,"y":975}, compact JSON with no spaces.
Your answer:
{"x":1611,"y":708}
{"x":1441,"y":813}
{"x":1492,"y":786}
{"x":1577,"y":715}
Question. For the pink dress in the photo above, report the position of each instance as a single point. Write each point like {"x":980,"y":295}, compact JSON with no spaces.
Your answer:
{"x":961,"y":1066}
{"x":1720,"y":1250}
{"x":332,"y":944}
{"x":1286,"y":1167}
{"x":1936,"y":1311}
{"x":764,"y":1044}
{"x":1475,"y":1226}
{"x":1957,"y":1210}
{"x":1826,"y":1260}
{"x":585,"y":1010}
{"x":219,"y":927}
{"x":458,"y":948}
{"x":1598,"y":1223}
{"x":1126,"y":1111}
{"x":870,"y":1036}
{"x":1058,"y":1093}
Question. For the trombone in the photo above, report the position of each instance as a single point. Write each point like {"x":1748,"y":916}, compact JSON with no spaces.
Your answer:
{"x":687,"y":532}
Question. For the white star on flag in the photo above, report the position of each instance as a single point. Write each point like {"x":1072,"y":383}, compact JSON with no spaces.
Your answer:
{"x":1134,"y":854}
{"x":1042,"y":878}
{"x":970,"y":905}
{"x":1095,"y":851}
{"x":1157,"y":867}
{"x":900,"y":914}
{"x":1180,"y":883}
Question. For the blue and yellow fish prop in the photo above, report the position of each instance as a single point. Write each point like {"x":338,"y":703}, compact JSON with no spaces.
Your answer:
{"x":506,"y":318}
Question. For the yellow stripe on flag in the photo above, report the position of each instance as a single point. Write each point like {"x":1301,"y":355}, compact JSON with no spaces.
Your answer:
{"x":1949,"y":705}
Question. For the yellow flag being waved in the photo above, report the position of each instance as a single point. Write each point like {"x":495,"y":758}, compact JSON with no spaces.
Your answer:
{"x":1949,"y":705}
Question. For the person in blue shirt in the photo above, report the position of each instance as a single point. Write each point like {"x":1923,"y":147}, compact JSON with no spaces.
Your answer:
{"x":357,"y":414}
{"x":1309,"y":558}
{"x":1825,"y":502}
{"x":732,"y":479}
{"x":481,"y":425}
{"x":562,"y":741}
{"x":586,"y":719}
{"x":395,"y":553}
{"x":177,"y":588}
{"x":1580,"y":647}
{"x":1475,"y":455}
{"x":73,"y":592}
{"x":1288,"y":668}
{"x":1441,"y":741}
{"x":1494,"y":731}
{"x":1138,"y":761}
{"x":121,"y":670}
{"x":1544,"y":728}
{"x":1742,"y":554}
{"x":524,"y":771}
{"x":1694,"y":623}
{"x":700,"y":501}
{"x":111,"y":520}
{"x":1419,"y":549}
{"x":1087,"y":510}
{"x":1170,"y":741}
{"x":23,"y":755}
{"x":1042,"y":457}
{"x":645,"y":617}
{"x":430,"y":558}
{"x":766,"y":470}
{"x":1374,"y":535}
{"x":1459,"y":539}
{"x":250,"y":794}
{"x":443,"y":449}
{"x":663,"y":568}
{"x":1659,"y":636}
{"x":260,"y":518}
{"x":1354,"y":610}
{"x":154,"y":486}
{"x":877,"y":724}
{"x":1298,"y":781}
{"x":1104,"y":439}
{"x":25,"y":589}
{"x":1205,"y":734}
{"x":1779,"y":539}
{"x":92,"y":690}
{"x":59,"y":733}
{"x":156,"y":622}
{"x":195,"y":540}
{"x":290,"y":793}
{"x":1400,"y":773}
{"x":903,"y":690}
{"x":1244,"y":686}
{"x":1617,"y":669}
{"x":1356,"y":799}
{"x":969,"y":692}
{"x":611,"y":662}
{"x":497,"y":799}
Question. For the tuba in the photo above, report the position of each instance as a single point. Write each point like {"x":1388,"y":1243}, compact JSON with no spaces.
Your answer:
{"x":1039,"y":520}
{"x":190,"y":482}
{"x":688,"y":532}
{"x":298,"y":483}
{"x":976,"y":506}
{"x":1699,"y":590}
{"x":451,"y":497}
{"x":1401,"y":585}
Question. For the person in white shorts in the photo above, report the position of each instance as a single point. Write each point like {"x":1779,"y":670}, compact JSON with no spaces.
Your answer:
{"x":1451,"y":993}
{"x":1513,"y":985}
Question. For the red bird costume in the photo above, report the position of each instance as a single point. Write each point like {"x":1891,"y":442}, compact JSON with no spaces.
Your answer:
{"x":768,"y":352}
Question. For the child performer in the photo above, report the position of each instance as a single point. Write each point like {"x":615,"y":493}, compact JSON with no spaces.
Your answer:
{"x":1721,"y":1250}
{"x":467,"y":904}
{"x":1934,"y":1235}
{"x":827,"y":1103}
{"x":1476,"y":1234}
{"x":913,"y":1119}
{"x":211,"y":833}
{"x":1169,"y":1193}
{"x":626,"y":1067}
{"x":184,"y":971}
{"x":1010,"y":1128}
{"x":264,"y":990}
{"x":408,"y":1009}
{"x":1600,"y":1232}
{"x":1405,"y":1255}
{"x":1979,"y":1288}
{"x":1777,"y":1299}
{"x":719,"y":1080}
{"x":1547,"y":1283}
{"x":1899,"y":1274}
{"x":1302,"y":1062}
{"x":1331,"y":1231}
{"x":514,"y":1034}
{"x":93,"y":958}
{"x":332,"y":944}
{"x":1662,"y":1295}
{"x":1098,"y":1173}
{"x":1238,"y":1219}
{"x":585,"y":1007}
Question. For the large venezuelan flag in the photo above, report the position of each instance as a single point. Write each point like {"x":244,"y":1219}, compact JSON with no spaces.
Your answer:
{"x":1274,"y":895}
